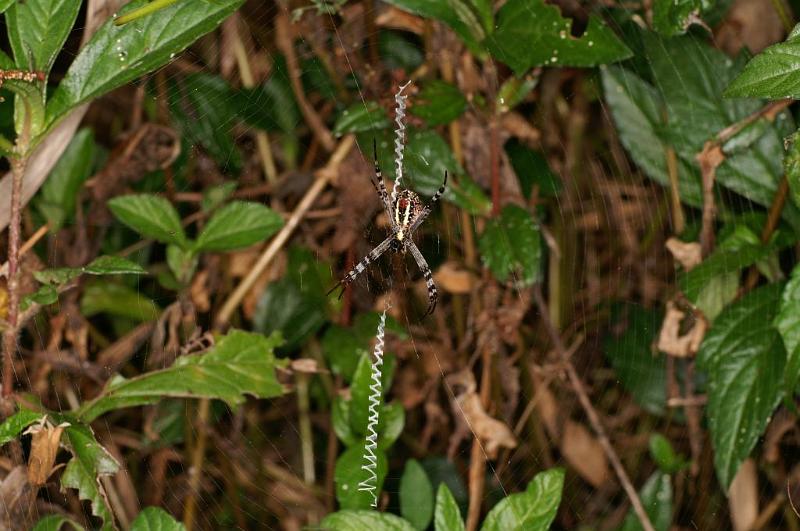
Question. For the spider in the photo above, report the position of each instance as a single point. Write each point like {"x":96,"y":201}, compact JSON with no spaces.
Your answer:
{"x":405,"y":216}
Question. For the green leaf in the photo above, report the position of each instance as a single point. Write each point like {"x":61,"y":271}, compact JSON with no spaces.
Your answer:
{"x":28,"y":106}
{"x":203,"y":107}
{"x":348,"y":474}
{"x":349,"y":520}
{"x":55,"y":522}
{"x":656,"y":497}
{"x":641,"y":371}
{"x":271,"y":106}
{"x":13,"y":425}
{"x":361,"y":117}
{"x":215,"y":196}
{"x":117,"y":55}
{"x":531,"y":33}
{"x":532,"y":170}
{"x":744,"y":359}
{"x":90,"y":461}
{"x":340,"y":418}
{"x":391,"y":423}
{"x":664,"y":455}
{"x":720,"y":262}
{"x":37,"y":30}
{"x":511,"y":245}
{"x":773,"y":73}
{"x":416,"y":495}
{"x":361,"y":393}
{"x":5,"y":4}
{"x":182,"y":263}
{"x":156,"y":519}
{"x":344,"y":347}
{"x":531,"y":510}
{"x":513,"y":91}
{"x":286,"y":307}
{"x":398,"y":51}
{"x":791,"y":166}
{"x":60,"y":191}
{"x":113,"y":265}
{"x":151,"y":216}
{"x":238,"y":224}
{"x":241,"y":363}
{"x":788,"y":324}
{"x":117,"y":299}
{"x":673,"y":17}
{"x":43,"y":296}
{"x":439,"y":103}
{"x":447,"y":516}
{"x":460,"y":15}
{"x":637,"y":111}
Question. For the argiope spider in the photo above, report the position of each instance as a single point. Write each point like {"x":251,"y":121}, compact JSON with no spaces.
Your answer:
{"x":405,"y":216}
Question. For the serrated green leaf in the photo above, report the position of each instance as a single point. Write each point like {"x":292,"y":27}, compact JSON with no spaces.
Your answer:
{"x":447,"y":516}
{"x":238,"y":224}
{"x":60,"y":191}
{"x":37,"y":30}
{"x":55,"y":522}
{"x":641,"y":371}
{"x":113,"y":265}
{"x":511,"y":247}
{"x":416,"y":495}
{"x":117,"y":299}
{"x":744,"y":358}
{"x":656,"y":496}
{"x":439,"y":103}
{"x":361,"y":117}
{"x":788,"y":324}
{"x":241,"y":363}
{"x":773,"y":73}
{"x":531,"y":510}
{"x":348,"y":474}
{"x":116,"y":55}
{"x":286,"y":307}
{"x":348,"y":520}
{"x":151,"y":216}
{"x":673,"y":17}
{"x":719,"y":263}
{"x":90,"y":461}
{"x":5,"y":4}
{"x":531,"y":33}
{"x":156,"y":519}
{"x":13,"y":425}
{"x":45,"y":295}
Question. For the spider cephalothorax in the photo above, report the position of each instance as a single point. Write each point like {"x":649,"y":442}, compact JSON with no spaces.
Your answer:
{"x":406,"y":213}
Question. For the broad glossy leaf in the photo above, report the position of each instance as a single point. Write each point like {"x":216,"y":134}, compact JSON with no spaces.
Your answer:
{"x":640,"y":370}
{"x":638,"y":114}
{"x":117,"y":299}
{"x":203,"y":107}
{"x":241,"y":363}
{"x":447,"y":516}
{"x":37,"y":30}
{"x":60,"y":191}
{"x":511,"y":247}
{"x":532,"y":33}
{"x":286,"y":307}
{"x":468,"y":22}
{"x":788,"y":324}
{"x":531,"y":510}
{"x":773,"y":73}
{"x":656,"y":496}
{"x":673,"y":17}
{"x":43,"y":296}
{"x":117,"y":55}
{"x":90,"y":460}
{"x":720,"y":263}
{"x":361,"y":117}
{"x":238,"y":224}
{"x":361,"y":391}
{"x":744,"y":358}
{"x":348,"y":520}
{"x":392,"y":421}
{"x":416,"y":495}
{"x":439,"y":103}
{"x":791,"y":166}
{"x":344,"y":347}
{"x":348,"y":474}
{"x":56,"y":522}
{"x":151,"y":216}
{"x":532,"y":170}
{"x":156,"y":519}
{"x":13,"y":425}
{"x":5,"y":4}
{"x":340,"y":418}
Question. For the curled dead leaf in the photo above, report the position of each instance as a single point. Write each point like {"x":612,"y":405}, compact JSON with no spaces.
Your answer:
{"x":743,"y":496}
{"x":453,"y":278}
{"x":45,"y":440}
{"x":670,"y":339}
{"x":687,"y":254}
{"x":584,"y":453}
{"x":305,"y":365}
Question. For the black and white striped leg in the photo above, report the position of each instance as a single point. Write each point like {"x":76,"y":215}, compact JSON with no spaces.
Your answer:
{"x":362,"y":265}
{"x":380,"y":186}
{"x":433,"y":293}
{"x":429,"y":207}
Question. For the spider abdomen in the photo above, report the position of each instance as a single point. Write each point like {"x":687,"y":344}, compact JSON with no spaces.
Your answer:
{"x":407,"y":209}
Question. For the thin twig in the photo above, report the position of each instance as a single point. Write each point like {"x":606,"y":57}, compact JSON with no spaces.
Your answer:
{"x":591,"y":413}
{"x":27,"y":246}
{"x":773,"y":217}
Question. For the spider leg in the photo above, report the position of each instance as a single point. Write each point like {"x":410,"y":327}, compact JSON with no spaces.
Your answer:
{"x":362,"y":265}
{"x":429,"y":207}
{"x":380,"y":186}
{"x":433,"y":294}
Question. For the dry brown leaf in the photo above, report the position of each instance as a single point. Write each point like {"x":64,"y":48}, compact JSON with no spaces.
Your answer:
{"x":782,"y":423}
{"x":754,"y":24}
{"x":44,"y":447}
{"x":584,"y":453}
{"x":546,"y":405}
{"x":453,"y":278}
{"x":305,"y":365}
{"x":199,"y":292}
{"x":17,"y":501}
{"x":687,"y":254}
{"x":395,"y":18}
{"x":670,"y":339}
{"x":743,"y":496}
